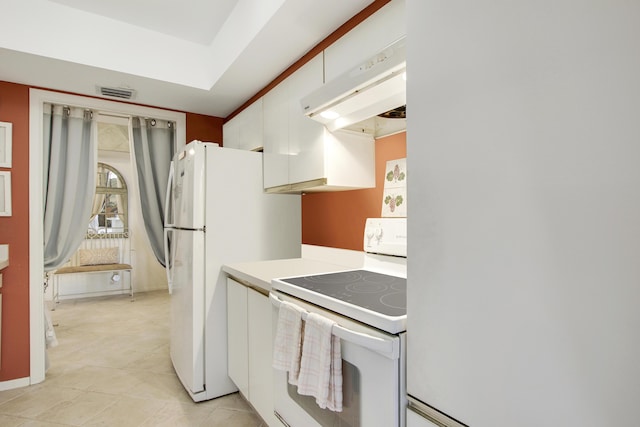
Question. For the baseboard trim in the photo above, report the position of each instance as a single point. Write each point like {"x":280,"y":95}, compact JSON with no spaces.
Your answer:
{"x":17,"y":383}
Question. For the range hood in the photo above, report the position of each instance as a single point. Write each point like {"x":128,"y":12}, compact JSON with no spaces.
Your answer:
{"x":374,"y":86}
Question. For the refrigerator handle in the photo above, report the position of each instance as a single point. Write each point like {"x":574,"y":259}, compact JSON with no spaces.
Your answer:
{"x":168,"y":219}
{"x":167,"y":261}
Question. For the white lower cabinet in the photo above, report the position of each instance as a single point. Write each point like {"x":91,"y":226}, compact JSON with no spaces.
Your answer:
{"x":238,"y":344}
{"x":260,"y":356}
{"x":250,"y":347}
{"x":415,"y":420}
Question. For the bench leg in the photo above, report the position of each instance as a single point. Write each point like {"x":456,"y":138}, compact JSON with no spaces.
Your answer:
{"x":56,"y":292}
{"x":131,"y":286}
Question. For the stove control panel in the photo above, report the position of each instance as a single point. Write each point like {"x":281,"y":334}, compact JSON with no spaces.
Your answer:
{"x":386,"y":236}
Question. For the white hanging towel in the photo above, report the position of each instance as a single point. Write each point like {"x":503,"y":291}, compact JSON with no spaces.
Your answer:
{"x":321,"y":364}
{"x":287,"y":344}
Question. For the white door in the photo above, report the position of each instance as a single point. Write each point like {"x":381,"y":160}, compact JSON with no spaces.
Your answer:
{"x":187,"y":308}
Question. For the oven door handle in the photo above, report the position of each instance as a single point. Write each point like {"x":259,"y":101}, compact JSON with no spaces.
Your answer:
{"x":388,"y":347}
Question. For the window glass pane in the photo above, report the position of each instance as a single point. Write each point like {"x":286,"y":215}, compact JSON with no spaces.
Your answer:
{"x":109,"y":213}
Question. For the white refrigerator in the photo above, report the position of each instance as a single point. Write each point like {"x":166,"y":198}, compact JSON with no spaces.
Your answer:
{"x":217,"y":213}
{"x":524,"y":216}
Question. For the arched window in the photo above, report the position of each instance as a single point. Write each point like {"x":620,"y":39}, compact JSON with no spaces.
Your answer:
{"x":110,"y":211}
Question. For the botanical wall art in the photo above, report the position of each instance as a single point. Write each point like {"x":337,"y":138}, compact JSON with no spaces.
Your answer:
{"x":394,"y":196}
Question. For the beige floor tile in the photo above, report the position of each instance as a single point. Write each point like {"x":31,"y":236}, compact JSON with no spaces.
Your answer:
{"x":223,"y":417}
{"x":10,"y":421}
{"x":78,"y":411}
{"x":185,"y":414}
{"x":80,"y":378}
{"x":112,"y":368}
{"x":34,"y":402}
{"x":157,"y":362}
{"x":38,"y":423}
{"x":7,"y":395}
{"x":158,"y":386}
{"x":113,"y":381}
{"x":126,"y":412}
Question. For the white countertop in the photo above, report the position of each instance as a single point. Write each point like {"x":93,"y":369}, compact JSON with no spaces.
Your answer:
{"x":313,"y":260}
{"x":260,"y":273}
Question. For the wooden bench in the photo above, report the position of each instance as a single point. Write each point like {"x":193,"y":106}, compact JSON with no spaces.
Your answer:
{"x":98,"y":253}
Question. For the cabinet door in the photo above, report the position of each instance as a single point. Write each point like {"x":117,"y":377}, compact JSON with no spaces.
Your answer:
{"x":250,"y":131}
{"x":238,"y":345}
{"x":260,"y":356}
{"x":244,"y":131}
{"x":276,"y":136}
{"x":231,"y":133}
{"x":370,"y":37}
{"x":306,"y":141}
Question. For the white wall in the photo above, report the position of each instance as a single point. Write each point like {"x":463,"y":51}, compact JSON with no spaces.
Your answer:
{"x":524,"y":231}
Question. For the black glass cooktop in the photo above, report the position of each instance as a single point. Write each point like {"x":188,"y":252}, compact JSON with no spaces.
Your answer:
{"x":374,"y":291}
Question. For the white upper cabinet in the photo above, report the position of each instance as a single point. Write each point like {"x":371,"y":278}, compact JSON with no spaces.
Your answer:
{"x":300,"y":154}
{"x":288,"y":134}
{"x":341,"y":160}
{"x":370,"y":37}
{"x":245,"y":131}
{"x":276,"y":136}
{"x":306,"y":136}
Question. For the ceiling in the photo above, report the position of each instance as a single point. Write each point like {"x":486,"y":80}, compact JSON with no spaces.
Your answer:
{"x":208,"y":57}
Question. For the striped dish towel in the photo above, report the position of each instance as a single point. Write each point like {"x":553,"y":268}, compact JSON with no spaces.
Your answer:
{"x":321,"y":363}
{"x":287,"y":344}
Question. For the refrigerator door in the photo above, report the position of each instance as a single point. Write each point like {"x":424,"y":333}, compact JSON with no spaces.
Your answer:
{"x":188,"y":190}
{"x":187,"y":308}
{"x":524,"y":274}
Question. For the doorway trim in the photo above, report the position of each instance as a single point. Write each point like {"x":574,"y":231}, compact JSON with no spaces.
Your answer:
{"x":37,"y":98}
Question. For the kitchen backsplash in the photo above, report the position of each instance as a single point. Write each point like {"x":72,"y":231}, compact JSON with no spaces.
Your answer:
{"x":336,"y":219}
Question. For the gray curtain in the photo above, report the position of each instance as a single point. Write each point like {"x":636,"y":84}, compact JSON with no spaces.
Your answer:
{"x":70,"y":161}
{"x":154,"y":147}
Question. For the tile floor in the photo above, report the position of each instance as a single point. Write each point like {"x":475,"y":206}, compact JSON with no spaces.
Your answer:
{"x":112,"y":368}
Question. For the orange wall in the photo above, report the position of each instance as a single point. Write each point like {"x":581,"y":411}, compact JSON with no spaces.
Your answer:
{"x":337,"y":219}
{"x":204,"y":128}
{"x":14,"y":230}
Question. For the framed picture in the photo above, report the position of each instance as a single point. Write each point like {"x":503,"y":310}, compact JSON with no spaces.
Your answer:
{"x":394,"y":196}
{"x":5,"y":144}
{"x":5,"y":193}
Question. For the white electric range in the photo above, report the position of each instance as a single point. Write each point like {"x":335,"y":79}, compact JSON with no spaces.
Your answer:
{"x":369,"y":306}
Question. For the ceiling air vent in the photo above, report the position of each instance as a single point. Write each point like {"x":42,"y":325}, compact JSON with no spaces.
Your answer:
{"x":116,"y":92}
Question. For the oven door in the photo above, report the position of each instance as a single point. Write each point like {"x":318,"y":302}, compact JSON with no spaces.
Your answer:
{"x":373,"y":374}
